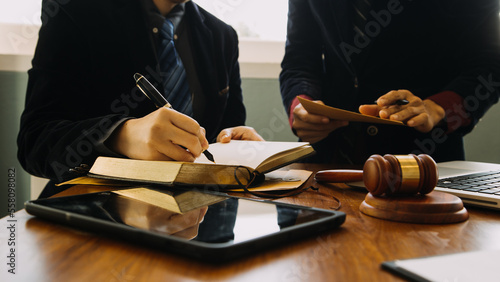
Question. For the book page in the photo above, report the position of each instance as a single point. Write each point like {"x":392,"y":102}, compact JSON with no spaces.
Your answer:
{"x":129,"y":169}
{"x":246,"y":153}
{"x":338,"y":114}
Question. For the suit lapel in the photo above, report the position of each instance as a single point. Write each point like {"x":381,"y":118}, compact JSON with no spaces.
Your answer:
{"x":210,"y":68}
{"x":203,"y":49}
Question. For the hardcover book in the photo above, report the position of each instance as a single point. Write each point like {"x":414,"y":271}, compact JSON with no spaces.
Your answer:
{"x":237,"y":163}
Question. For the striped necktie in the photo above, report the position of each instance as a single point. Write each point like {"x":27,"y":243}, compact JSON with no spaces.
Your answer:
{"x":176,"y":89}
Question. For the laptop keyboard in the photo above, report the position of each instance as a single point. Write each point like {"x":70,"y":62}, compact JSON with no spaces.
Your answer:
{"x":482,"y":182}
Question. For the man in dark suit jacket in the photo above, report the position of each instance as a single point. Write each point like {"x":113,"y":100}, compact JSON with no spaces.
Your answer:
{"x":442,"y":56}
{"x":82,"y":101}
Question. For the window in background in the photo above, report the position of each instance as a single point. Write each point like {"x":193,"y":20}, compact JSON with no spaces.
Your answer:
{"x":19,"y":25}
{"x":26,"y":12}
{"x":252,"y":19}
{"x":261,"y":27}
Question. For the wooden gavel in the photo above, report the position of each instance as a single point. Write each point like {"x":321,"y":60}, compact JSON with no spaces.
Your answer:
{"x":390,"y":174}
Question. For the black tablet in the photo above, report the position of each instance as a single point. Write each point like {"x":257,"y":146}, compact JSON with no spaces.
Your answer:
{"x":208,"y":227}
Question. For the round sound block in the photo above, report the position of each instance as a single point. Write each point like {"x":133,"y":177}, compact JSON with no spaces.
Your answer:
{"x":435,"y":208}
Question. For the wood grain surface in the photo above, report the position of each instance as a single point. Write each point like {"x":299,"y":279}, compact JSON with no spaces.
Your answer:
{"x":51,"y":252}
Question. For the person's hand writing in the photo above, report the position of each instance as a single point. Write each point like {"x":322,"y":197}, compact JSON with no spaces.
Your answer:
{"x":423,"y":115}
{"x":238,"y":133}
{"x":159,"y":136}
{"x":313,"y":128}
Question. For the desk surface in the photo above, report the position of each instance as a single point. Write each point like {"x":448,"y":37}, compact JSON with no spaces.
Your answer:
{"x":52,"y":252}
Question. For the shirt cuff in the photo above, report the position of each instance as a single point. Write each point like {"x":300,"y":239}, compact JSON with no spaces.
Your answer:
{"x":453,"y":105}
{"x":295,"y":103}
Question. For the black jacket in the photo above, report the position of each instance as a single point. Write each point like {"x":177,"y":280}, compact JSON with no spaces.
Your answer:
{"x":425,"y":46}
{"x":81,"y":84}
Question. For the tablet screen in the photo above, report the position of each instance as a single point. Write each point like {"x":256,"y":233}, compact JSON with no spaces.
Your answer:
{"x":211,"y":219}
{"x":192,"y":223}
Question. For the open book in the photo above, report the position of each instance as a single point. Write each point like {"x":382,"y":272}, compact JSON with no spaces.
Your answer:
{"x":237,"y":162}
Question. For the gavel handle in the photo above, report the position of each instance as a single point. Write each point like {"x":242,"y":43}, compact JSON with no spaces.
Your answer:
{"x":339,"y":175}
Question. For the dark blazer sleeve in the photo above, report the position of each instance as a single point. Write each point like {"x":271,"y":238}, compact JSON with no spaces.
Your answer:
{"x":66,"y":116}
{"x":476,"y":35}
{"x":456,"y":48}
{"x":80,"y":87}
{"x":302,"y":64}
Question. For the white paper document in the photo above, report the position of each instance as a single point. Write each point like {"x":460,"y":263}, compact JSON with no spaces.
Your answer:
{"x":460,"y":267}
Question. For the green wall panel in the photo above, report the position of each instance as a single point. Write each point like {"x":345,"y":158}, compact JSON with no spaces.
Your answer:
{"x":265,"y":111}
{"x":12,"y":91}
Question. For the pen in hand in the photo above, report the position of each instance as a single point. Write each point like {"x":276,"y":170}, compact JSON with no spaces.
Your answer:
{"x":154,"y":95}
{"x":400,"y":102}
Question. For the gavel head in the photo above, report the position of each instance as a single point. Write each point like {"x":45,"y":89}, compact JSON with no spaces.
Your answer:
{"x":400,"y":174}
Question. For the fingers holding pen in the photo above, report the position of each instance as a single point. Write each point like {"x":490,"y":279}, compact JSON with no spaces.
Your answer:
{"x":404,"y":106}
{"x":395,"y":105}
{"x":415,"y":112}
{"x":203,"y":139}
{"x":169,"y":133}
{"x":394,"y":97}
{"x":183,"y":131}
{"x":165,"y":134}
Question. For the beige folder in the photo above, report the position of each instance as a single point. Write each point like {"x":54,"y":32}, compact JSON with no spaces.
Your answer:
{"x":338,"y":114}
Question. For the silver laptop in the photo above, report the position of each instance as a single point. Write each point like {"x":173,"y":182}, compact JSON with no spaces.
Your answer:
{"x":476,"y":183}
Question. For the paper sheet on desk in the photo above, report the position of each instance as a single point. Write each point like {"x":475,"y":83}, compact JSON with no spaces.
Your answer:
{"x":281,"y":180}
{"x":469,"y":266}
{"x":340,"y":114}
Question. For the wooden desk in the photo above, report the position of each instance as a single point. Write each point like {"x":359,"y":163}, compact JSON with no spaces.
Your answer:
{"x":52,"y":252}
